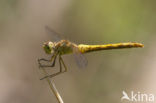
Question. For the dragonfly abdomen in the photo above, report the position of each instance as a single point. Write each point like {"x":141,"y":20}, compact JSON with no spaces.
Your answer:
{"x":89,"y":48}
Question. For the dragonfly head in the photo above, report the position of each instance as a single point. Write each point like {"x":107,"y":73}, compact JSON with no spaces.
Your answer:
{"x":49,"y":47}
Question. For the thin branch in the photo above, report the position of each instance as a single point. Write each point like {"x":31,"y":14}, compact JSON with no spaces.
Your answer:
{"x":53,"y":87}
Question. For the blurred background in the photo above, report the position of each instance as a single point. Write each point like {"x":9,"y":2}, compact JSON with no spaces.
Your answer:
{"x":22,"y":33}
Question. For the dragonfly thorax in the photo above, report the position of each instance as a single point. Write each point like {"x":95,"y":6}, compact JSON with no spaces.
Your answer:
{"x":64,"y":47}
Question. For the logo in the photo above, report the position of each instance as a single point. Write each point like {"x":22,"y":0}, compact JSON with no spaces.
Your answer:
{"x":137,"y":97}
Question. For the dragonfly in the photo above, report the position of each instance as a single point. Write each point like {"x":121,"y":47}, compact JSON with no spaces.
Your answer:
{"x":64,"y":47}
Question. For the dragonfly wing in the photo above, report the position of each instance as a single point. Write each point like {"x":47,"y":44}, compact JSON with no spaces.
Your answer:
{"x":55,"y":36}
{"x":80,"y":58}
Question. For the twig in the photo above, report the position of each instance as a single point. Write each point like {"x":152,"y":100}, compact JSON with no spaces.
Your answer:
{"x":53,"y":88}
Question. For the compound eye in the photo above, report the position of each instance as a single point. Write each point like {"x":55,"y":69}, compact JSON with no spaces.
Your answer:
{"x":48,"y":47}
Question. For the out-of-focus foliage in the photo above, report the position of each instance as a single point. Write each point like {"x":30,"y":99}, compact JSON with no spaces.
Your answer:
{"x":7,"y":8}
{"x":112,"y":20}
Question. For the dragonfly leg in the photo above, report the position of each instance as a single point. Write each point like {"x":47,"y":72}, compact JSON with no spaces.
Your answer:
{"x":63,"y":64}
{"x":61,"y":71}
{"x":53,"y":58}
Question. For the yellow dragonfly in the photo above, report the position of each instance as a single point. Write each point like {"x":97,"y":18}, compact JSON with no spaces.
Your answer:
{"x":63,"y":47}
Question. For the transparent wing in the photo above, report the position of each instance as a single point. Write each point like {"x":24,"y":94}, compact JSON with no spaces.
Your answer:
{"x":79,"y":58}
{"x":55,"y":36}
